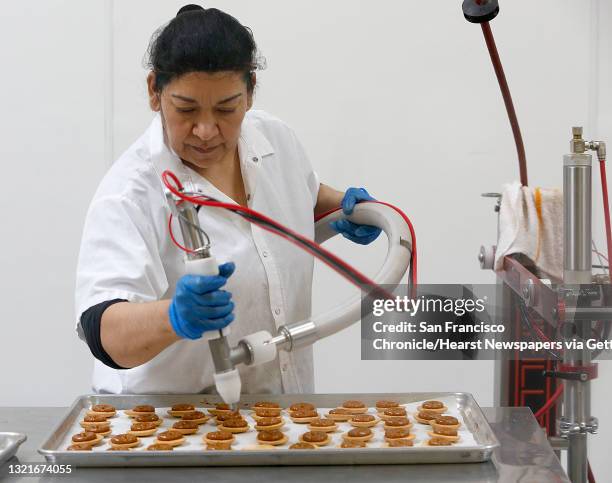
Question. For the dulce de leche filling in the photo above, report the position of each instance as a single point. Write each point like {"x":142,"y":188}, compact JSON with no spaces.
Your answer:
{"x":183,"y":407}
{"x":169,"y":435}
{"x":103,"y":408}
{"x":147,"y":418}
{"x":271,"y":435}
{"x":143,"y":408}
{"x":396,"y":433}
{"x":315,"y":436}
{"x":359,"y":432}
{"x":352,"y":404}
{"x":305,"y":413}
{"x":397,"y":422}
{"x":266,"y":404}
{"x":445,"y":431}
{"x":427,"y":416}
{"x":303,"y":406}
{"x":395,"y":412}
{"x":124,"y":439}
{"x":235,"y":423}
{"x":193,"y":415}
{"x":363,"y":418}
{"x":447,"y":420}
{"x":227,"y":416}
{"x":322,"y":423}
{"x":269,"y":421}
{"x":386,"y":404}
{"x":339,"y":411}
{"x":219,"y":435}
{"x":185,"y":425}
{"x":267,"y":412}
{"x":95,"y":418}
{"x":84,"y":437}
{"x":432,"y":405}
{"x":143,"y":426}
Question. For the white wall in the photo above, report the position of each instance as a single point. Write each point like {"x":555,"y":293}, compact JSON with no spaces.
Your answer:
{"x":51,"y":93}
{"x":399,"y":97}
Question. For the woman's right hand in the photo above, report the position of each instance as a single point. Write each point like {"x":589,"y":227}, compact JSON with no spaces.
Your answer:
{"x":198,"y":304}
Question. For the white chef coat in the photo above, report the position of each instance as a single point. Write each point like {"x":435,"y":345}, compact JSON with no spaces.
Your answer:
{"x":126,"y":252}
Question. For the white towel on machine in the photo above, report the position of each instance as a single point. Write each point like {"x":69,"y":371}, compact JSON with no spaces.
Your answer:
{"x":531,"y":223}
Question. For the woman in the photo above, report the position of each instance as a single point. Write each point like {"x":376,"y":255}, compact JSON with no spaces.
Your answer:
{"x":142,"y":318}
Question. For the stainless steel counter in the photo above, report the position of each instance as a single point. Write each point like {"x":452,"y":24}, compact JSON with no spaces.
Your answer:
{"x":524,"y":455}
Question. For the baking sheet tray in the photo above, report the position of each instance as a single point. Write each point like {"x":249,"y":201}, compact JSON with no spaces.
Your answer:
{"x":476,"y":445}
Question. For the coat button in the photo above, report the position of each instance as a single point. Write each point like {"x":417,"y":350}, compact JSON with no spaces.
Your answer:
{"x":255,"y":159}
{"x":277,"y":311}
{"x":284,"y":368}
{"x":265,"y":254}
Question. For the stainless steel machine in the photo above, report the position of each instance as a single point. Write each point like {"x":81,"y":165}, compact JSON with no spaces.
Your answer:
{"x":573,"y":310}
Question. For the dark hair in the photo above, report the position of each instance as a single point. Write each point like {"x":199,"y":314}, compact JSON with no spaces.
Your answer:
{"x":202,"y":40}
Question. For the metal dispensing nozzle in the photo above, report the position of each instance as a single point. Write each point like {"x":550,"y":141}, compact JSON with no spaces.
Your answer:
{"x":200,"y":261}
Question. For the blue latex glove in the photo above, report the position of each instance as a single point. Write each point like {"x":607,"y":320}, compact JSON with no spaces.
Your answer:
{"x":198,"y":304}
{"x":362,"y":234}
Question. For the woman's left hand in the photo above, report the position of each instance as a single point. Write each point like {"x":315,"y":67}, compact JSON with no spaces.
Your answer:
{"x":362,"y":234}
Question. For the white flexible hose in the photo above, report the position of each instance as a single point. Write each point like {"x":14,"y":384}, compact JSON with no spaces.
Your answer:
{"x":399,"y":243}
{"x":390,"y":274}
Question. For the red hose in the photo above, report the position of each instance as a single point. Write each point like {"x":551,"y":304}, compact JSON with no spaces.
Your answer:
{"x":606,"y":206}
{"x":590,"y":475}
{"x":553,"y":399}
{"x":327,"y":257}
{"x":505,"y":90}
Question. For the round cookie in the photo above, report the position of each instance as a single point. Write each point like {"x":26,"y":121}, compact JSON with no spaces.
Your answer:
{"x":177,"y":410}
{"x":186,"y":427}
{"x":399,"y":422}
{"x":219,"y":440}
{"x":355,"y":407}
{"x":105,"y":410}
{"x":323,"y":424}
{"x":234,"y":425}
{"x":363,"y":420}
{"x":359,"y":434}
{"x":425,"y":417}
{"x":432,"y":406}
{"x":303,"y":416}
{"x":318,"y":438}
{"x":140,"y":410}
{"x":263,"y":424}
{"x":143,"y":429}
{"x":124,"y":441}
{"x":171,"y":437}
{"x":195,"y":416}
{"x":273,"y":437}
{"x":339,"y":414}
{"x":87,"y":438}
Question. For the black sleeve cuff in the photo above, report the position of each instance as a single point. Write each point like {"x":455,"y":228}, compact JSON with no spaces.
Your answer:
{"x":90,"y":322}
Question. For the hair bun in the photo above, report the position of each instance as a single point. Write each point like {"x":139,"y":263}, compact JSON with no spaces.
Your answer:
{"x":188,"y":8}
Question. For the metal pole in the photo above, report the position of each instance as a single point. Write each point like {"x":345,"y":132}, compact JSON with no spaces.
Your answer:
{"x":577,"y":271}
